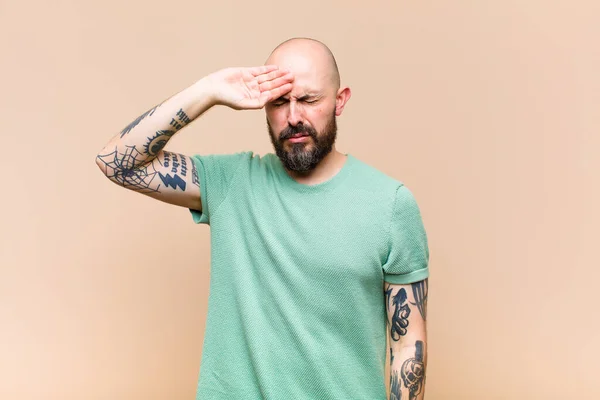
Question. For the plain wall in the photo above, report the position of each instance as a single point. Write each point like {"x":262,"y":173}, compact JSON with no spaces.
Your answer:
{"x":487,"y":110}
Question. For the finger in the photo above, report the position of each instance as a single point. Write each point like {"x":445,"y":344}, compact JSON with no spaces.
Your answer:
{"x":271,"y":75}
{"x":277,"y":92}
{"x":263,"y":69}
{"x":271,"y":95}
{"x":275,"y":83}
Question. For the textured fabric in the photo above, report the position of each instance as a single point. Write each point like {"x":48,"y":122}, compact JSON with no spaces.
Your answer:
{"x":296,"y":306}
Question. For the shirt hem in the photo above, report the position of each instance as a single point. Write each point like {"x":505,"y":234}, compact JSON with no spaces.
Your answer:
{"x":411,"y":277}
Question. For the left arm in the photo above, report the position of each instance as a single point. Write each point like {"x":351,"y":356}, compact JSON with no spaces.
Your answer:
{"x":406,"y":306}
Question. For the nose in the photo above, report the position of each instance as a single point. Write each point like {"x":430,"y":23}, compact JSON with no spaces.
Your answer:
{"x":294,"y":113}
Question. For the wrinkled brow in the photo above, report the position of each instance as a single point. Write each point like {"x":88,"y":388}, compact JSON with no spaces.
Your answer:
{"x":303,"y":97}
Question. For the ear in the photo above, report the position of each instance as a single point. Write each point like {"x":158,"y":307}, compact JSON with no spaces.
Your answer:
{"x":342,"y":97}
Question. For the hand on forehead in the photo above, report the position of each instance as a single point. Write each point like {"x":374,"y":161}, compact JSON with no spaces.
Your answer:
{"x":310,"y":61}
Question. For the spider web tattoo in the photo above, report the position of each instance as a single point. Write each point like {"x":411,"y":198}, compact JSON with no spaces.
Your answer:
{"x":121,"y":167}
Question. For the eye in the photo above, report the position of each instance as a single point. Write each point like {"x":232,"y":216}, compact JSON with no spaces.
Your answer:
{"x":279,"y":102}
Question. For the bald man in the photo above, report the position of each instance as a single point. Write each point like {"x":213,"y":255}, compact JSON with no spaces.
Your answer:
{"x":316,"y":257}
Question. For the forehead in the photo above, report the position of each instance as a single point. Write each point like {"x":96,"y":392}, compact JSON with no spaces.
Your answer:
{"x":310,"y":73}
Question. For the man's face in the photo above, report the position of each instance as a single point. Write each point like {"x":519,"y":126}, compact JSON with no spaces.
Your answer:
{"x":301,"y":147}
{"x":302,"y":124}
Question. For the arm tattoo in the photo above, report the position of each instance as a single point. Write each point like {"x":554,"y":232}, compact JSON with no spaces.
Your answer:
{"x":395,"y":389}
{"x":124,"y":168}
{"x":413,"y":372}
{"x":136,"y":121}
{"x":420,"y":290}
{"x":388,"y":293}
{"x":195,"y":178}
{"x":175,"y":161}
{"x":400,"y":317}
{"x":157,"y":142}
{"x":180,"y":120}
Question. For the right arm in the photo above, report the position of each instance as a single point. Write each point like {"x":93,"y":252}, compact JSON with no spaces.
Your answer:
{"x":135,"y":158}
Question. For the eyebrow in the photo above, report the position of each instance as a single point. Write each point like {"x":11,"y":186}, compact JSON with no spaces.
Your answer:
{"x":303,"y":97}
{"x":306,"y":96}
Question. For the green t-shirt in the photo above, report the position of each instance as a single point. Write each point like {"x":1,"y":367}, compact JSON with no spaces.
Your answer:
{"x":296,"y":308}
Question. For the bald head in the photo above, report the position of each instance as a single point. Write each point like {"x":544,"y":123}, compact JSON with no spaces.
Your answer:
{"x":307,"y":56}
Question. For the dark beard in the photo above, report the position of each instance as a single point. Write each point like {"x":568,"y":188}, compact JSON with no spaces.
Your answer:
{"x":298,"y":158}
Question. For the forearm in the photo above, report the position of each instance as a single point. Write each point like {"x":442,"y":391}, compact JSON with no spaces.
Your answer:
{"x":408,"y":367}
{"x":135,"y":158}
{"x":148,"y":134}
{"x":407,"y":315}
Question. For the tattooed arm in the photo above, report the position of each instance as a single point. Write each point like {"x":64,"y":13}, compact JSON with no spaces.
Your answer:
{"x":406,"y":307}
{"x":135,"y":158}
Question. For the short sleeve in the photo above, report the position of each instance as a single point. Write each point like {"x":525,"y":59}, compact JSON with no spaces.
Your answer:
{"x":214,"y":173}
{"x":408,"y":257}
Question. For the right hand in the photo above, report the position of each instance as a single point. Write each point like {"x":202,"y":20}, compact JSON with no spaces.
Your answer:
{"x":245,"y":88}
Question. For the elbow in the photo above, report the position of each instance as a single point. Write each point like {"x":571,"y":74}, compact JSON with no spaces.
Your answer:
{"x":102,"y":161}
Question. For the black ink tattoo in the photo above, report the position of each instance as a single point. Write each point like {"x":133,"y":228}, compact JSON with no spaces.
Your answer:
{"x":124,"y":169}
{"x":175,"y":161}
{"x":172,"y":160}
{"x":157,"y":142}
{"x":174,"y":181}
{"x":175,"y":124}
{"x":181,"y":119}
{"x":388,"y":293}
{"x":400,"y":317}
{"x":195,"y":178}
{"x":136,"y":121}
{"x":413,"y":372}
{"x":420,"y":290}
{"x":183,"y":166}
{"x":395,"y":389}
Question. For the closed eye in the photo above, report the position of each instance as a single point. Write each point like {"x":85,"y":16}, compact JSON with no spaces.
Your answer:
{"x":282,"y":100}
{"x":279,"y":102}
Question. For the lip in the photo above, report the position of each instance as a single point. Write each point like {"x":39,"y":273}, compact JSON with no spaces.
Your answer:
{"x":298,"y":139}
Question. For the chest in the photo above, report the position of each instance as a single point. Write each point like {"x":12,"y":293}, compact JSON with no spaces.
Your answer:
{"x":329,"y":237}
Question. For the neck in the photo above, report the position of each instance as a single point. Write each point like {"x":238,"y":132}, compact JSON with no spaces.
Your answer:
{"x":327,"y":168}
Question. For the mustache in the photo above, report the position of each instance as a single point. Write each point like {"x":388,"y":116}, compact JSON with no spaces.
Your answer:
{"x":290,"y":131}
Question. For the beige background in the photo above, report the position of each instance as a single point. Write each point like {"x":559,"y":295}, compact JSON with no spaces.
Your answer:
{"x":487,"y":110}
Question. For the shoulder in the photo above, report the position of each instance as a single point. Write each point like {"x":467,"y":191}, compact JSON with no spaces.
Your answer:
{"x":228,"y":161}
{"x":224,"y":157}
{"x":385,"y":188}
{"x":373,"y":179}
